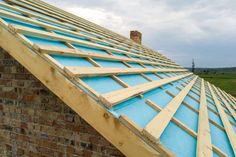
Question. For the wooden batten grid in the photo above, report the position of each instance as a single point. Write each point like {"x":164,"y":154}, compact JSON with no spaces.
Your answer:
{"x":163,"y":118}
{"x":122,"y":132}
{"x":228,"y":127}
{"x":82,"y":104}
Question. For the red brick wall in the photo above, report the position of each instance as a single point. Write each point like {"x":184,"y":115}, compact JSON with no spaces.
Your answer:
{"x":35,"y":123}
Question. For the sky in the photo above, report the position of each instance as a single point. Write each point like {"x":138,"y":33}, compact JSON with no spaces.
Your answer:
{"x":182,"y":30}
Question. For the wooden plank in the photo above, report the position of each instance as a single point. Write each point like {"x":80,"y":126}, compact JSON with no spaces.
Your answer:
{"x":48,"y":35}
{"x":93,"y":71}
{"x":227,"y":98}
{"x":73,"y":52}
{"x":114,"y":97}
{"x":204,"y":146}
{"x":228,"y":127}
{"x":157,"y":125}
{"x":115,"y":132}
{"x":226,"y":103}
{"x":175,"y":120}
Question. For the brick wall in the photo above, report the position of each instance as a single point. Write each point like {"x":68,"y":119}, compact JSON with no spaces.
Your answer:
{"x":35,"y":123}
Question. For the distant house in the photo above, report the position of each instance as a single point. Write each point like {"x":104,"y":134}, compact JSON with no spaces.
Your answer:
{"x":71,"y":88}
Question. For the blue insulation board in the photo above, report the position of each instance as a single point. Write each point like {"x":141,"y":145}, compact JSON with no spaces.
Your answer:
{"x":231,"y":118}
{"x":110,"y":64}
{"x":48,"y":42}
{"x":161,"y":98}
{"x":137,"y":110}
{"x":152,"y":76}
{"x":220,"y":140}
{"x":148,"y":66}
{"x":102,"y":84}
{"x":187,"y":117}
{"x":54,"y":24}
{"x":133,"y":79}
{"x":119,"y":54}
{"x":71,"y":35}
{"x":135,"y":65}
{"x":90,"y":49}
{"x":215,"y":118}
{"x":20,"y":23}
{"x":194,"y":95}
{"x":10,"y":10}
{"x":72,"y":61}
{"x":215,"y":154}
{"x":213,"y":107}
{"x":192,"y":102}
{"x":178,"y":141}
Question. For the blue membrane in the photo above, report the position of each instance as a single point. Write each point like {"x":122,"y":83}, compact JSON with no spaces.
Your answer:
{"x":194,"y":95}
{"x":72,"y":61}
{"x":53,"y":24}
{"x":103,"y":44}
{"x":10,"y":10}
{"x":192,"y":102}
{"x":162,"y":75}
{"x":135,"y":65}
{"x":215,"y":154}
{"x":234,"y":127}
{"x":215,"y":118}
{"x":90,"y":49}
{"x":102,"y":84}
{"x":25,"y":24}
{"x":133,"y":79}
{"x":213,"y":107}
{"x":136,"y":110}
{"x":161,"y":98}
{"x":210,"y":99}
{"x":48,"y":42}
{"x":174,"y":91}
{"x":178,"y":141}
{"x":110,"y":64}
{"x":148,"y":66}
{"x":71,"y":35}
{"x":119,"y":54}
{"x":187,"y":117}
{"x":152,"y":76}
{"x":220,"y":140}
{"x":231,"y":118}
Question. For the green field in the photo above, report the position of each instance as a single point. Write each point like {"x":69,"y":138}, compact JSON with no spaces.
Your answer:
{"x":224,"y":80}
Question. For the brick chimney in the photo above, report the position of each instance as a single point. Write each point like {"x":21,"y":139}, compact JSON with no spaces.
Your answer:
{"x":136,"y":36}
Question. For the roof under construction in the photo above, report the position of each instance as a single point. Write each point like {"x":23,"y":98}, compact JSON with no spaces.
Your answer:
{"x":142,"y":102}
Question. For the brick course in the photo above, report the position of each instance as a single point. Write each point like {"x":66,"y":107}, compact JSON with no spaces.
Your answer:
{"x":36,"y":123}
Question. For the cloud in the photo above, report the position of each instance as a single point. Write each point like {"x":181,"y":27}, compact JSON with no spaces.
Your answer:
{"x":200,"y":29}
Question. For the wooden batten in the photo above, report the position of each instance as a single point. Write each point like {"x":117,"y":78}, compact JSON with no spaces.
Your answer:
{"x":228,"y":127}
{"x":88,"y":72}
{"x":119,"y":135}
{"x":204,"y":146}
{"x":112,"y":98}
{"x":164,"y":117}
